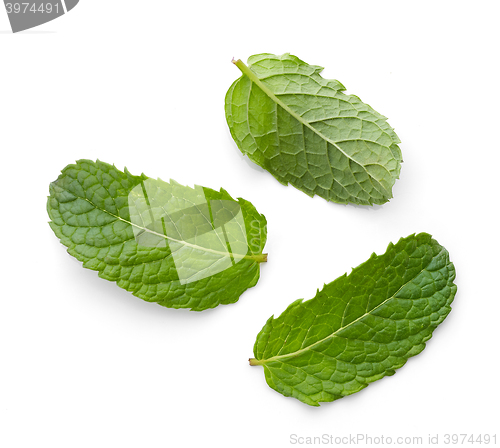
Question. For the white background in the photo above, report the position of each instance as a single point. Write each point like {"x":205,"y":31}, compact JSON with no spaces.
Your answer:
{"x":142,"y":84}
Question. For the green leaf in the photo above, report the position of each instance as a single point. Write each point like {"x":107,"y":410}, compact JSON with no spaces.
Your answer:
{"x":302,"y":129}
{"x":362,"y":326}
{"x":178,"y":246}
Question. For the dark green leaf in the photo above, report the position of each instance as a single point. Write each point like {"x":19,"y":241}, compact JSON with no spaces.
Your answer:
{"x":362,"y":326}
{"x":178,"y":246}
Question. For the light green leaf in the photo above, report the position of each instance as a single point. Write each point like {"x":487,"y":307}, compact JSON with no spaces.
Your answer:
{"x":362,"y":326}
{"x":302,"y":129}
{"x":178,"y":246}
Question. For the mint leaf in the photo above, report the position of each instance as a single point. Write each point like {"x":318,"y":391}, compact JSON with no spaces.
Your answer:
{"x":178,"y":246}
{"x":302,"y":129}
{"x":362,"y":326}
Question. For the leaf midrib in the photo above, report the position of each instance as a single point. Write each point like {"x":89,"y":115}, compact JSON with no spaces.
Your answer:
{"x":335,"y":333}
{"x":253,"y":77}
{"x":256,"y":258}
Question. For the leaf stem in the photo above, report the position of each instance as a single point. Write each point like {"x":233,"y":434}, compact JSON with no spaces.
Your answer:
{"x":253,"y":77}
{"x":259,"y":258}
{"x":255,"y":362}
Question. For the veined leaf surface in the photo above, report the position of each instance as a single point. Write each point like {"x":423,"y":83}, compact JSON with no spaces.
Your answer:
{"x":362,"y":326}
{"x":305,"y":131}
{"x":178,"y":246}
